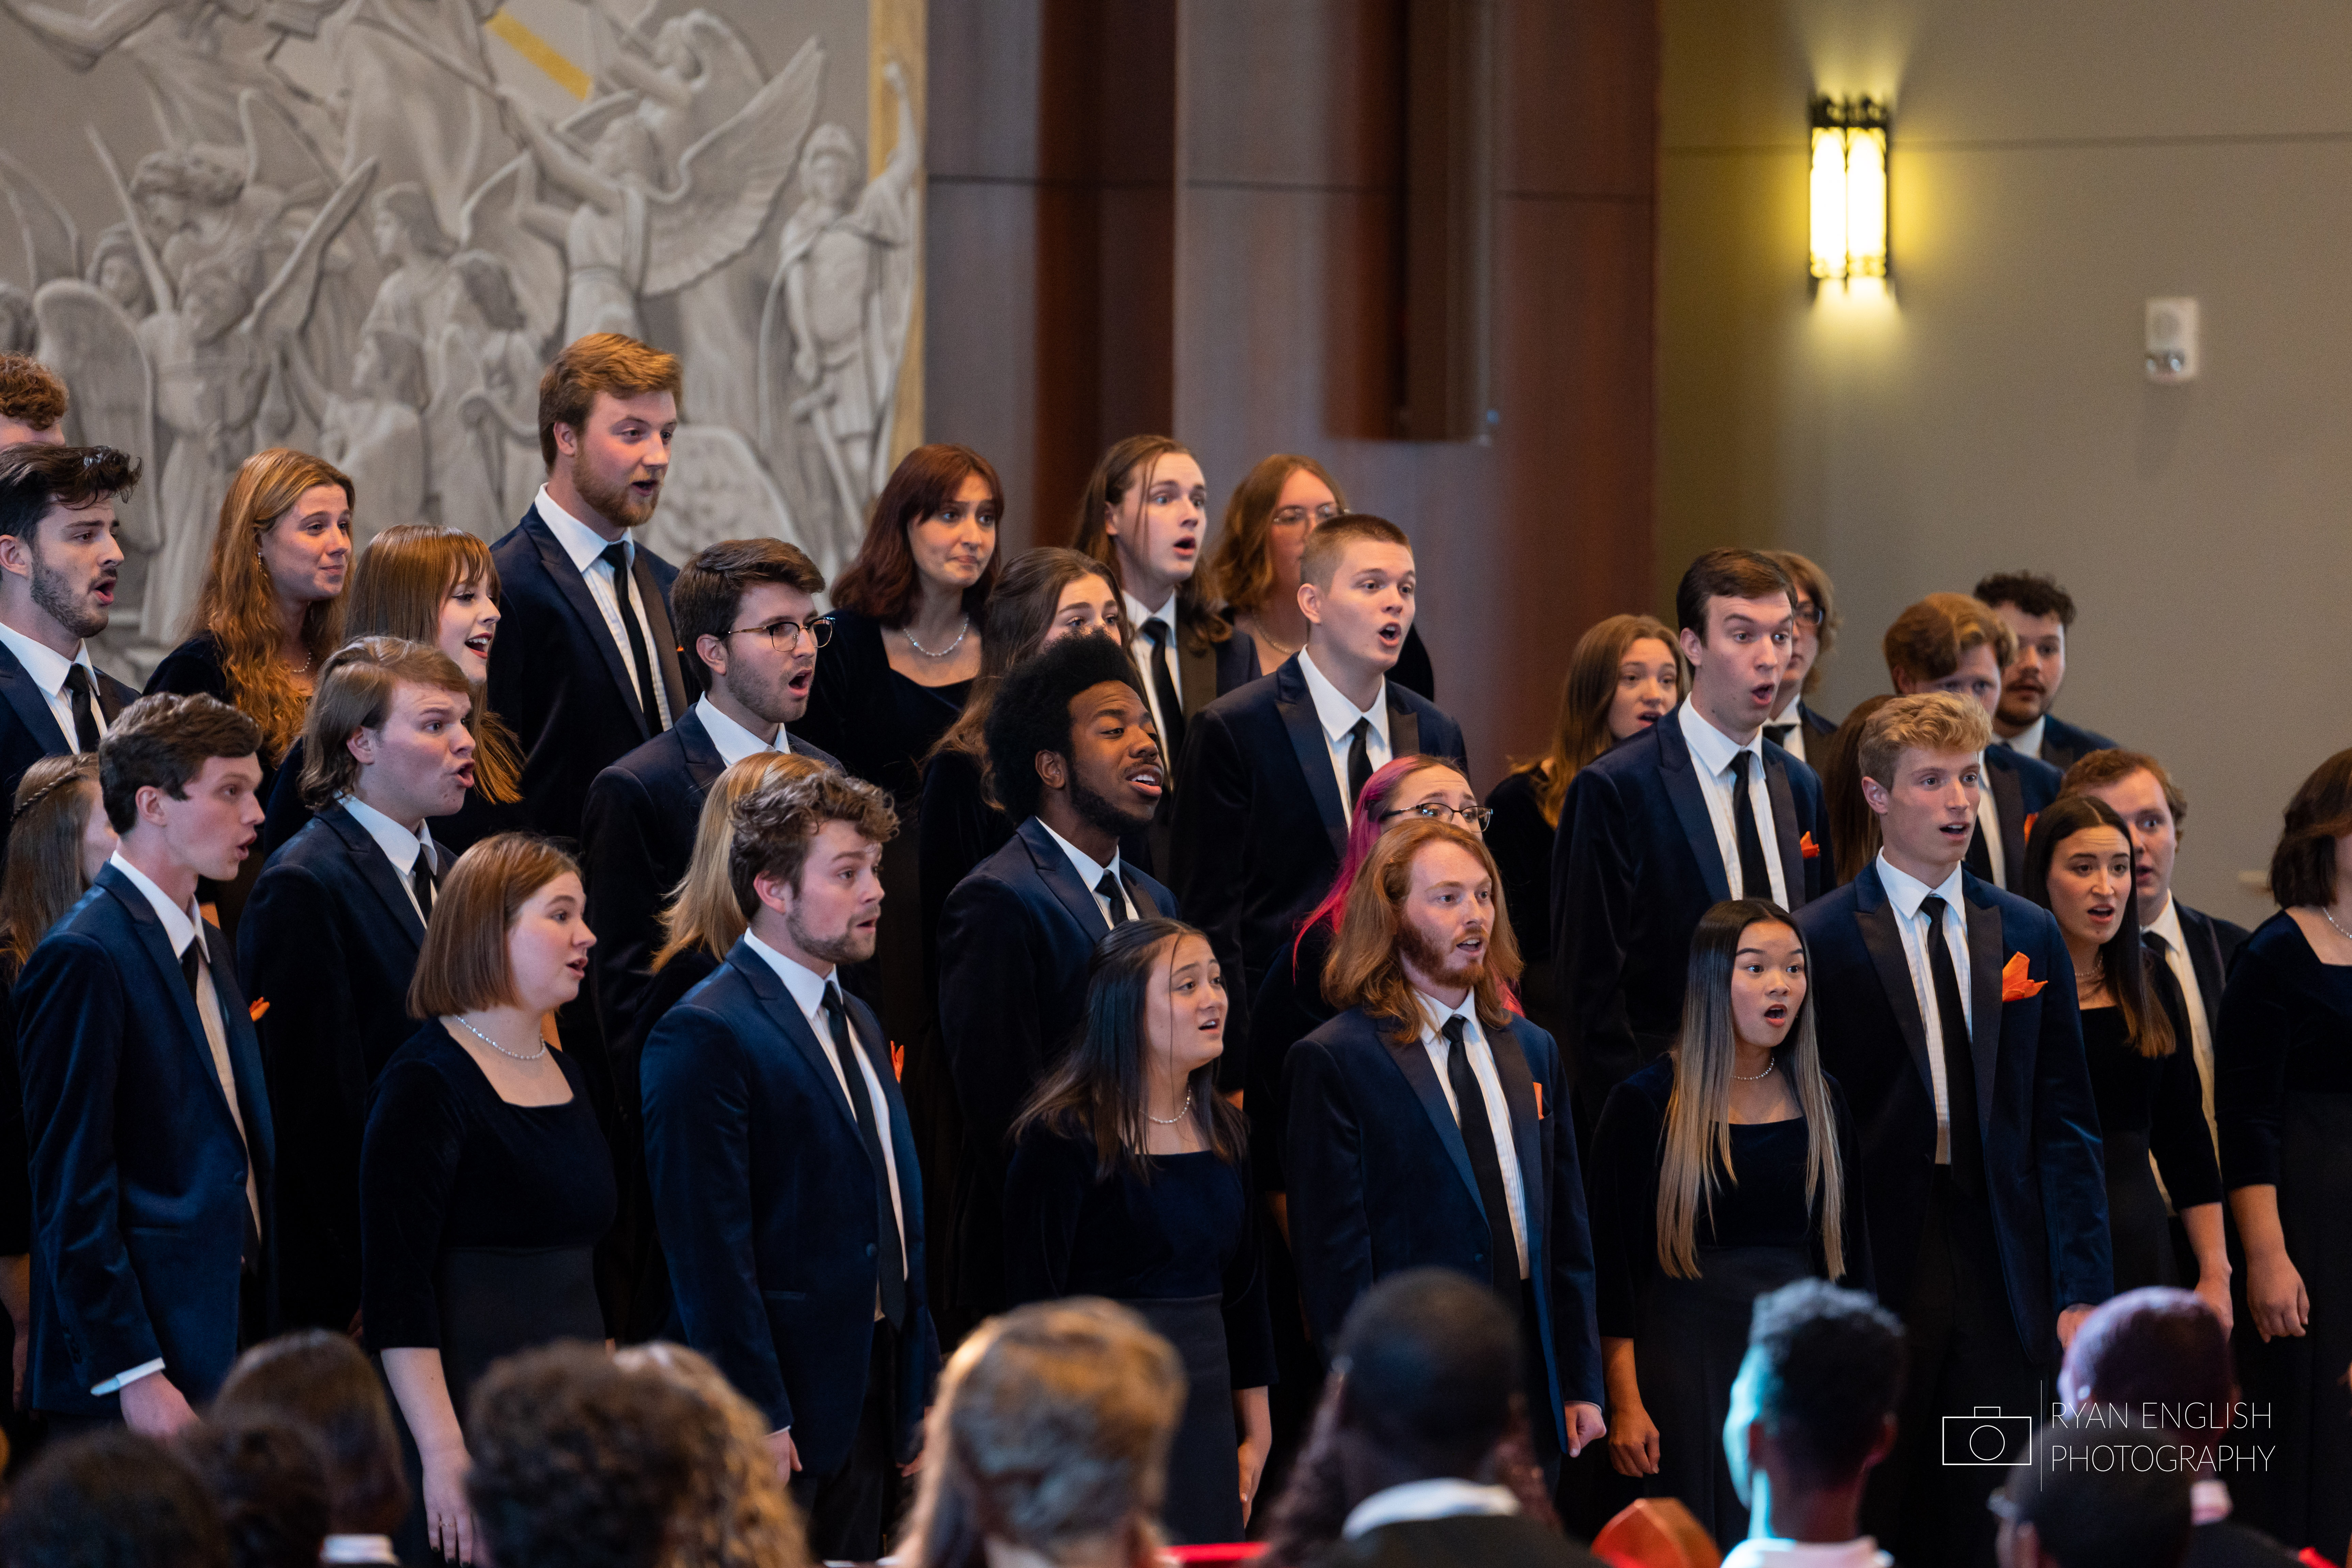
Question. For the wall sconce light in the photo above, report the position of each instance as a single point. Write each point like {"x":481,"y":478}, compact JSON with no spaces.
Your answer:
{"x":1849,"y":188}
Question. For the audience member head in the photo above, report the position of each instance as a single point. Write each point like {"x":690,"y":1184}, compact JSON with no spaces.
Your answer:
{"x":111,"y":1499}
{"x":2156,"y":1350}
{"x":745,"y":608}
{"x":1357,"y":586}
{"x":607,"y":411}
{"x":702,"y":912}
{"x":1424,"y":915}
{"x":178,"y":776}
{"x":278,"y":559}
{"x":806,"y":866}
{"x":32,"y":401}
{"x":1736,"y":612}
{"x":323,"y":1382}
{"x":1145,"y":509}
{"x":1626,"y":674}
{"x":2107,"y":1493}
{"x":736,"y":1514}
{"x":1070,"y":742}
{"x":1267,"y":519}
{"x":59,"y":554}
{"x":1428,"y":1365}
{"x":2078,"y":866}
{"x":1749,"y":985}
{"x":59,"y":840}
{"x":1922,"y":761}
{"x":1154,"y":1028}
{"x":439,"y":586}
{"x":2039,"y":613}
{"x":2152,"y":808}
{"x":581,"y":1463}
{"x":506,"y":932}
{"x":2307,"y":868}
{"x":1403,"y":789}
{"x":1051,"y":1437}
{"x":1812,"y":1409}
{"x":931,"y":534}
{"x":269,"y":1481}
{"x":1044,"y":594}
{"x":1949,"y":642}
{"x":1815,"y":632}
{"x":1854,"y":826}
{"x":389,"y":723}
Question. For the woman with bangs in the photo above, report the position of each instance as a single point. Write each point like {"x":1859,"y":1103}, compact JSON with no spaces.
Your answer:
{"x":1723,"y":1170}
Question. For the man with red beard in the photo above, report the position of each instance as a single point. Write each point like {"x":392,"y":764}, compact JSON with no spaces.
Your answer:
{"x":1426,"y":1124}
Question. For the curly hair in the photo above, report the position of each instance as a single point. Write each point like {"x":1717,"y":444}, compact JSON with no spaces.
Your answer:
{"x":30,"y":392}
{"x":1831,"y":1365}
{"x":703,"y":914}
{"x":2034,"y":593}
{"x":37,"y":476}
{"x":776,"y":823}
{"x":740,"y":1515}
{"x":1031,"y":713}
{"x":112,"y":1500}
{"x":268,"y":1479}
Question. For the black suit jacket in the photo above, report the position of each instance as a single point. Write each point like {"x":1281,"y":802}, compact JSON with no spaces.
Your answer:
{"x":138,"y":1174}
{"x":2046,"y":1180}
{"x":2213,"y":943}
{"x":560,"y":678}
{"x":1381,"y":1182}
{"x":2021,"y":787}
{"x":328,"y":941}
{"x":765,"y":1195}
{"x":2064,"y":744}
{"x":1460,"y":1540}
{"x":1259,"y":823}
{"x":1634,"y":865}
{"x":29,"y":732}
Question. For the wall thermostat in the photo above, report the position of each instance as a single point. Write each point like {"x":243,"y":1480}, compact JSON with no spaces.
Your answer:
{"x":2171,"y":341}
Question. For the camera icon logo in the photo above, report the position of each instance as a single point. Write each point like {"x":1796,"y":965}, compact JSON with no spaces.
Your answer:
{"x":1989,"y":1438}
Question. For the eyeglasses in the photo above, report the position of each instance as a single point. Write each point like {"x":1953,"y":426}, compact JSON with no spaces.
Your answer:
{"x":784,"y":635}
{"x":1292,"y":516}
{"x":1810,"y":614}
{"x":1473,"y":818}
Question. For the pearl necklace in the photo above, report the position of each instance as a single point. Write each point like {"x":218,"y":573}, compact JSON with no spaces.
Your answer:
{"x":1758,"y":1077}
{"x":927,"y":653}
{"x":515,"y":1056}
{"x":1172,"y":1120}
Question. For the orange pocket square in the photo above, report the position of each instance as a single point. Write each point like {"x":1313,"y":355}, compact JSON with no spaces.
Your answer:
{"x":2016,"y":986}
{"x":260,"y":1005}
{"x":1806,"y":848}
{"x":2031,"y":818}
{"x":1540,"y":1110}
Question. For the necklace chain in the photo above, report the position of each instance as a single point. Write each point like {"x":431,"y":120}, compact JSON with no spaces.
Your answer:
{"x":1172,"y":1121}
{"x":515,"y":1056}
{"x":907,"y":632}
{"x":1755,"y":1078}
{"x":2347,"y":935}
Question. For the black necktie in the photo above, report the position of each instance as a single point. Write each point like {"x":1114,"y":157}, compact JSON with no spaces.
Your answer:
{"x":1755,"y":877}
{"x":1959,"y":1076}
{"x":616,"y":556}
{"x":78,"y":692}
{"x":1163,"y":691}
{"x":892,"y":1266}
{"x":420,"y":880}
{"x":1360,"y":762}
{"x":1478,"y":1138}
{"x":1778,"y":734}
{"x":1108,"y":888}
{"x":188,"y":971}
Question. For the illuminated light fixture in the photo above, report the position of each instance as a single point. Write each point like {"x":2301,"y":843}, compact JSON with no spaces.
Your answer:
{"x":1849,"y":188}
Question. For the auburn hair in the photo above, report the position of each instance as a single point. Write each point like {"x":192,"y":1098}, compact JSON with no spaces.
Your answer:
{"x":404,"y":575}
{"x":703,"y":911}
{"x":1581,"y":731}
{"x":1127,"y":469}
{"x":1365,"y":970}
{"x":30,"y":392}
{"x":1241,"y":571}
{"x":1929,"y":640}
{"x":2113,"y":764}
{"x":601,"y":362}
{"x":238,"y":606}
{"x":464,"y":965}
{"x":883,"y":582}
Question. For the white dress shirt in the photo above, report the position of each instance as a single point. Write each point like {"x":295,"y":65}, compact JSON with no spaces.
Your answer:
{"x":1338,"y":716}
{"x":2200,"y":1028}
{"x":1907,"y":893}
{"x":1711,"y":751}
{"x":1440,"y":1497}
{"x":2028,"y":740}
{"x":1139,"y":648}
{"x":46,"y":667}
{"x":734,"y":742}
{"x":399,"y":846}
{"x":1090,"y":875}
{"x":586,"y":548}
{"x":1860,"y":1552}
{"x":1794,"y":744}
{"x":1433,"y":1014}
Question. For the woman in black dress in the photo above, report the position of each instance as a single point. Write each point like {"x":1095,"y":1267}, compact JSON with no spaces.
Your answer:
{"x":1626,"y":674}
{"x":485,"y":1182}
{"x":2282,"y":1096}
{"x":2078,"y":866}
{"x":1127,"y":1180}
{"x":1723,"y":1170}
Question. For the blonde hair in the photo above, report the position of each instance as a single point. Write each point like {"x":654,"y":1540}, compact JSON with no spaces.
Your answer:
{"x":239,"y":607}
{"x":703,"y":911}
{"x":404,"y":576}
{"x":1364,"y":970}
{"x":738,"y":1514}
{"x":1582,"y":732}
{"x":1940,"y":721}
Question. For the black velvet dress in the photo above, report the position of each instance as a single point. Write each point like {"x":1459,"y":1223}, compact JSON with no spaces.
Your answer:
{"x":1520,"y":840}
{"x":2148,"y":1103}
{"x":1181,"y":1250}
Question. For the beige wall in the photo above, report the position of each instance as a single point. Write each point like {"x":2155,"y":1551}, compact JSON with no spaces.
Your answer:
{"x":2052,"y":169}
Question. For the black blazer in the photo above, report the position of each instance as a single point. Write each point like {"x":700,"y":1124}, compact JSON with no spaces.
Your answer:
{"x":764,"y":1193}
{"x":636,"y":834}
{"x":2213,"y":944}
{"x":2064,"y":744}
{"x":329,"y":943}
{"x":1259,"y":825}
{"x":2046,"y":1180}
{"x":559,"y":677}
{"x":29,"y":732}
{"x":1634,"y":865}
{"x":138,"y":1171}
{"x":2021,"y":787}
{"x":1381,"y":1182}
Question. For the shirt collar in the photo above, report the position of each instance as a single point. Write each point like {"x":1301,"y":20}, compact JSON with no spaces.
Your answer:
{"x":1434,"y":1014}
{"x":2167,"y":925}
{"x":1908,"y":893}
{"x":1759,"y":1552}
{"x":806,"y":985}
{"x":1137,"y":612}
{"x":44,"y":664}
{"x":1710,"y":747}
{"x":179,"y":925}
{"x":734,"y":742}
{"x":1334,"y":712}
{"x":583,"y":543}
{"x":1440,"y":1497}
{"x":1091,"y":870}
{"x":2027,"y":741}
{"x":400,"y":845}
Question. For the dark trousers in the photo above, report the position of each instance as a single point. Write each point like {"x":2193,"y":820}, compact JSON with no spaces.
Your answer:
{"x":848,"y":1508}
{"x":1543,"y":1416}
{"x":1965,"y":1357}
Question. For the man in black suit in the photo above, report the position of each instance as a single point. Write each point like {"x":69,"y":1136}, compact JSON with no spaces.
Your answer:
{"x":783,"y":1168}
{"x":2041,"y":613}
{"x":1075,"y":759}
{"x":1696,"y":809}
{"x":1949,"y":642}
{"x":329,"y":940}
{"x":152,"y":1162}
{"x":1432,"y":1368}
{"x":1946,"y":1010}
{"x":587,"y":666}
{"x":58,"y":561}
{"x":1425,"y":1125}
{"x":1269,"y":774}
{"x":1796,"y":725}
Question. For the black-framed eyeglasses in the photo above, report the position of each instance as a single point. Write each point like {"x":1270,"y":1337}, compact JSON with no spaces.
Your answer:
{"x":1812,"y":614}
{"x":784,"y":634}
{"x":1292,"y":516}
{"x":1473,"y":818}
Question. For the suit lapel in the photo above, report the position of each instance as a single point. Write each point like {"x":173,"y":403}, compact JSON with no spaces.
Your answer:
{"x":1404,"y":724}
{"x":703,"y":763}
{"x":1874,"y":914}
{"x":32,"y":708}
{"x":658,"y":628}
{"x":2009,"y":805}
{"x":1527,"y":1136}
{"x":244,"y":1055}
{"x":1412,"y":1060}
{"x":785,"y":1012}
{"x":1142,"y":902}
{"x":158,"y":948}
{"x":1054,"y":869}
{"x":2204,"y":961}
{"x":1197,"y":670}
{"x":1313,"y":751}
{"x":1985,"y":948}
{"x":1784,"y":823}
{"x":110,"y":701}
{"x":574,"y":586}
{"x":376,"y":871}
{"x":1680,"y":773}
